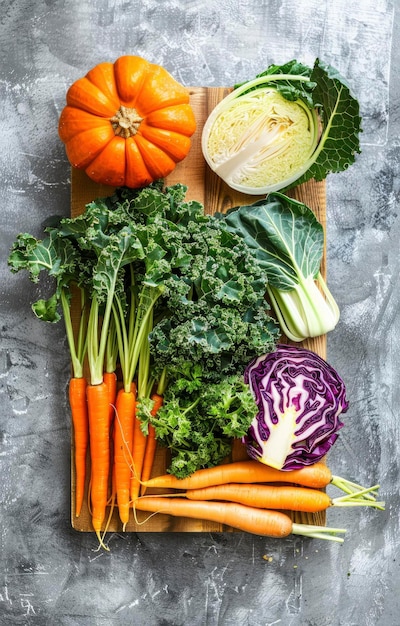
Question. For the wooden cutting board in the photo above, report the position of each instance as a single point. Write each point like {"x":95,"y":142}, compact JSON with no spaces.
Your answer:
{"x":203,"y":185}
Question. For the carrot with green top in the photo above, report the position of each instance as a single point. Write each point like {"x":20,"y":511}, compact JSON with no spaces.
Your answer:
{"x":98,"y":394}
{"x":77,"y":390}
{"x":138,"y":453}
{"x":149,"y":456}
{"x":145,"y":383}
{"x":282,"y":497}
{"x":248,"y":519}
{"x":80,"y":424}
{"x":132,"y":328}
{"x":140,"y":362}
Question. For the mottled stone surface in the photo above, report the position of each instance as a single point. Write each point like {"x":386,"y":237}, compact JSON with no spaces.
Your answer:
{"x":51,"y":575}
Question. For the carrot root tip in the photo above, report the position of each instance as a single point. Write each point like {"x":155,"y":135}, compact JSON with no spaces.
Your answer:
{"x":101,"y":542}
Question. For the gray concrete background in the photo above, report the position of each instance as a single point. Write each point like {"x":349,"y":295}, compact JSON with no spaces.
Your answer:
{"x":51,"y":575}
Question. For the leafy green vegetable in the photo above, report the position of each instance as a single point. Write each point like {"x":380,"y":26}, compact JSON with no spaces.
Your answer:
{"x":197,"y":422}
{"x":60,"y":260}
{"x":287,"y":241}
{"x":289,"y":124}
{"x":219,"y":316}
{"x":292,"y":80}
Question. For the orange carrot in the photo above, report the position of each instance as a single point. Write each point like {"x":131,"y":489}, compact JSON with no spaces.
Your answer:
{"x":110,"y":379}
{"x":266,"y":496}
{"x":151,"y":443}
{"x":317,"y":476}
{"x":99,"y":432}
{"x":123,"y":448}
{"x":282,"y":497}
{"x":138,"y":453}
{"x":79,"y":415}
{"x":245,"y":518}
{"x":149,"y":454}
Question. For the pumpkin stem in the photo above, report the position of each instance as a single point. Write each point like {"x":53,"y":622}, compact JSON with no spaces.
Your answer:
{"x":126,"y":122}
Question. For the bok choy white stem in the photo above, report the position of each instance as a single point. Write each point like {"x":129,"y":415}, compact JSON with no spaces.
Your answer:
{"x":308,"y":310}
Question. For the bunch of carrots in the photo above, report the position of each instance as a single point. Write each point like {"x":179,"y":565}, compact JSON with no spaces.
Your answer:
{"x":102,"y":271}
{"x":105,"y":405}
{"x":105,"y":421}
{"x":121,"y":455}
{"x":250,"y":496}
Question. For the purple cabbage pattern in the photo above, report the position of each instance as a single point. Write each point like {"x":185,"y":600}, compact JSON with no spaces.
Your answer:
{"x":295,"y":384}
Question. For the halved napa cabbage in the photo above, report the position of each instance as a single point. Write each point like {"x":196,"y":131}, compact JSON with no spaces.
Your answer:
{"x":259,"y":141}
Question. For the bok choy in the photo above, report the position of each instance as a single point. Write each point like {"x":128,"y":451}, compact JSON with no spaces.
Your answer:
{"x":289,"y":124}
{"x":287,"y":240}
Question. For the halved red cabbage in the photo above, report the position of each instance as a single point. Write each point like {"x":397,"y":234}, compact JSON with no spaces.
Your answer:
{"x":299,"y":398}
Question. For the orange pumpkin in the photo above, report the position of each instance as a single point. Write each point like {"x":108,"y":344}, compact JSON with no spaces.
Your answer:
{"x":127,"y":123}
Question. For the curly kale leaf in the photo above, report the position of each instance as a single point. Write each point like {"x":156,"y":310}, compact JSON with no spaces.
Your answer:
{"x":55,"y":257}
{"x":222,"y":339}
{"x":198,"y":421}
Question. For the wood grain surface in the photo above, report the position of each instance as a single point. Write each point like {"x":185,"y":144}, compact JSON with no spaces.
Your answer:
{"x":203,"y":185}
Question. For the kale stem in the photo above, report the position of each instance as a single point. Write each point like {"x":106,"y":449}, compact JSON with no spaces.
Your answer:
{"x":144,"y":359}
{"x":191,"y":406}
{"x":162,"y":382}
{"x":147,"y":299}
